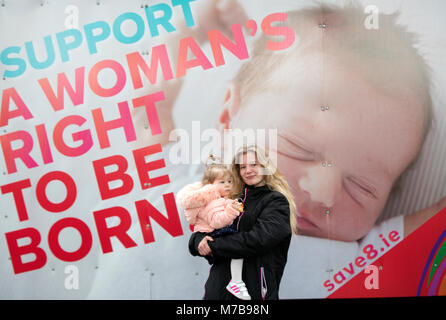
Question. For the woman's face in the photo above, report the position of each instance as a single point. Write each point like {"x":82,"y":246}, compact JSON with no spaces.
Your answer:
{"x":251,"y":170}
{"x":344,"y":159}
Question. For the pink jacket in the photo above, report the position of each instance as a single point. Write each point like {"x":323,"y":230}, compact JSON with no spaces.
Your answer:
{"x":205,"y":208}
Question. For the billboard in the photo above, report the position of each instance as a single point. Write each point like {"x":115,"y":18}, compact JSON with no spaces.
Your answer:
{"x":109,"y":108}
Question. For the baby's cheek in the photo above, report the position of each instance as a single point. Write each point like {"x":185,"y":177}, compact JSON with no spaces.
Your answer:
{"x":347,"y":220}
{"x":290,"y":168}
{"x":358,"y":225}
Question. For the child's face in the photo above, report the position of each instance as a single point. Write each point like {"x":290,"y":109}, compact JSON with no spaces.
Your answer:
{"x":344,"y":159}
{"x":224,"y":184}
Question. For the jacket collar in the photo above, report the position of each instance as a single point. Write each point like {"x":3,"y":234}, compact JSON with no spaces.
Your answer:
{"x":252,"y":191}
{"x":264,"y":187}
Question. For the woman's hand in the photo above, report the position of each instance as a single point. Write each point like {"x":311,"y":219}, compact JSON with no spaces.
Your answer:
{"x":203,"y":246}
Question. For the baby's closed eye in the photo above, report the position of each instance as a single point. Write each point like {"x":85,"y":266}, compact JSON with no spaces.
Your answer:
{"x":358,"y":189}
{"x":295,"y":150}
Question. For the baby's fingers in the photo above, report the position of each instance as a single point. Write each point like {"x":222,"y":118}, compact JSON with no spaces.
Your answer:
{"x":231,"y":12}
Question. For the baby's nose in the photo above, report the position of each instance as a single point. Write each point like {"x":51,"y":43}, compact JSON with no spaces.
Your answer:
{"x":322,"y":182}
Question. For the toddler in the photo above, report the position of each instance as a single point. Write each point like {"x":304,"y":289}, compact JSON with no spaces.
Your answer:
{"x":207,"y":207}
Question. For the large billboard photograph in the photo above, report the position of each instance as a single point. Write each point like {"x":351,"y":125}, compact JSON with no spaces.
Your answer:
{"x":222,"y":149}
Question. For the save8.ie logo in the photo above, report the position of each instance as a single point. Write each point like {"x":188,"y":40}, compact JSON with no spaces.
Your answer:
{"x":433,"y":278}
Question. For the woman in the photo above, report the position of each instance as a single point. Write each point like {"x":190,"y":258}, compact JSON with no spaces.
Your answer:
{"x":264,"y":230}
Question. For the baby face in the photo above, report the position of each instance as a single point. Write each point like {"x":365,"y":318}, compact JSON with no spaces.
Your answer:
{"x":224,"y":184}
{"x":340,"y":163}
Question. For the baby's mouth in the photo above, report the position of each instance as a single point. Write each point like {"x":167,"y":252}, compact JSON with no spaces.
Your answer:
{"x":304,"y":221}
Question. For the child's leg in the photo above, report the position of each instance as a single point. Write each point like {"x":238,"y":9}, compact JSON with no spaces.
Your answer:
{"x":236,"y":270}
{"x":236,"y":286}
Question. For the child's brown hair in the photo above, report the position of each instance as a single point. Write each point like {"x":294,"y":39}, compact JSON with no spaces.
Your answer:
{"x":214,"y":169}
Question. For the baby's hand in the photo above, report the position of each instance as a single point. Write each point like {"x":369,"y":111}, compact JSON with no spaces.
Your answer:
{"x":216,"y":14}
{"x":237,"y":206}
{"x":240,"y":208}
{"x":442,"y":203}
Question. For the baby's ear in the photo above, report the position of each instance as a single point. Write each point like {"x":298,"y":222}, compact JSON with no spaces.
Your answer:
{"x":231,"y":105}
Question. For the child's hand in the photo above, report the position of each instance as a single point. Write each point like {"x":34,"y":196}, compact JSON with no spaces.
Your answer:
{"x":235,"y":205}
{"x":238,"y":205}
{"x":216,"y":14}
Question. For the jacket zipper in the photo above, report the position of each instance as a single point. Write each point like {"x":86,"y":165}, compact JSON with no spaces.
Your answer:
{"x":241,"y":214}
{"x":263,"y":286}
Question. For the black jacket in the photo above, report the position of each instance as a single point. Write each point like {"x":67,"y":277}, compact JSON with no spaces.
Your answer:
{"x":262,"y":241}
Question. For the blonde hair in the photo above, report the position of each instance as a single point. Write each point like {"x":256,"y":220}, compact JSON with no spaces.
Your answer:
{"x":214,"y":169}
{"x":274,"y":179}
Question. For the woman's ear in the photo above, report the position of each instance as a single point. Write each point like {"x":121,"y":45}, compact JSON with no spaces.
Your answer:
{"x":231,"y":105}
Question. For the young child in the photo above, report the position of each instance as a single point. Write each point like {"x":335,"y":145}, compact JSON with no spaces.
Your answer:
{"x":207,"y":207}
